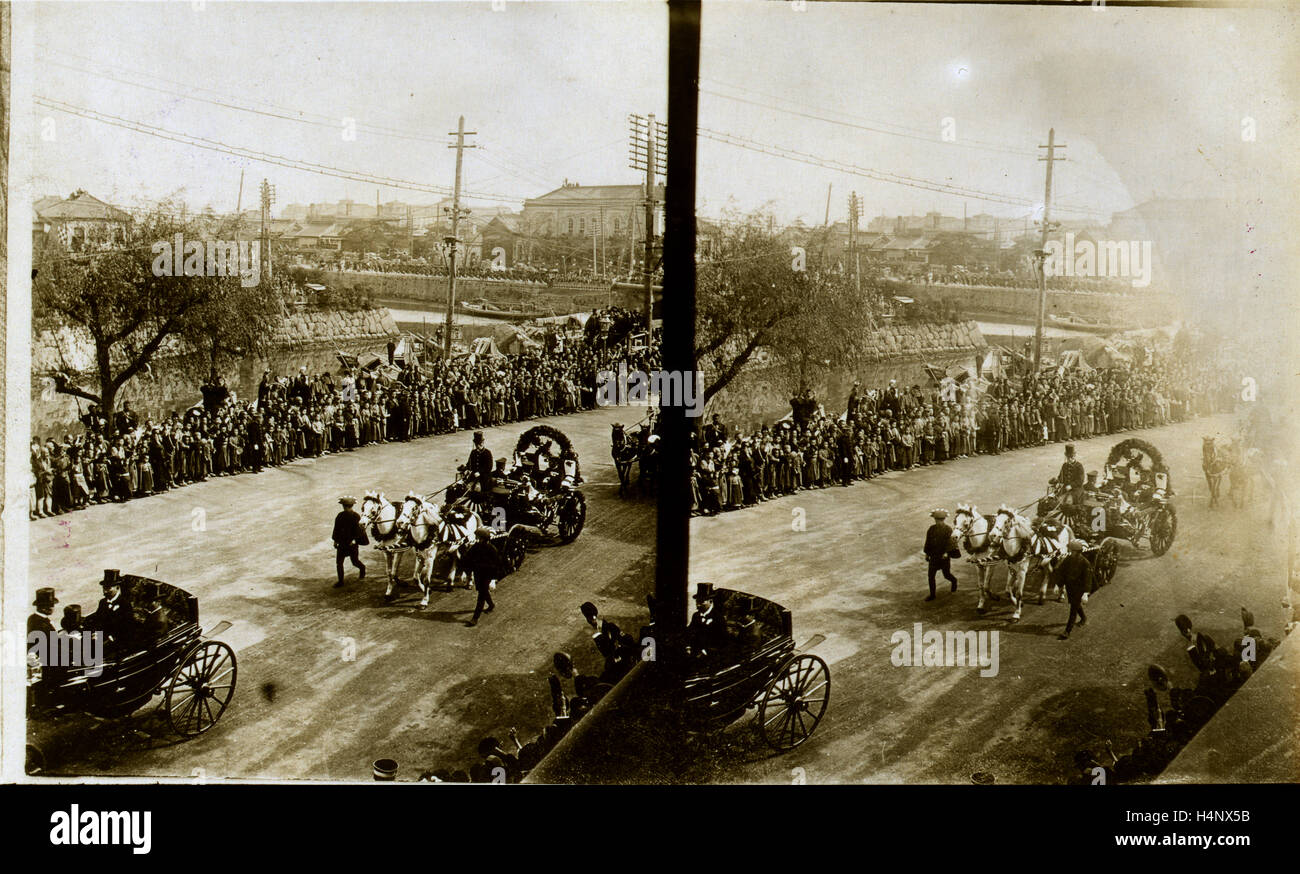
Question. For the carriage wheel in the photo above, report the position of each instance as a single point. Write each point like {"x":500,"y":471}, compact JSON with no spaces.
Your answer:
{"x":1163,"y":528}
{"x":1107,"y":563}
{"x":572,"y":516}
{"x":200,"y":689}
{"x":514,"y":549}
{"x":794,"y":702}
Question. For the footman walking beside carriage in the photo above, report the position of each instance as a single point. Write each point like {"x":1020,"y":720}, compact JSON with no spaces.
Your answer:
{"x":348,"y":536}
{"x":1075,"y":576}
{"x":939,"y":546}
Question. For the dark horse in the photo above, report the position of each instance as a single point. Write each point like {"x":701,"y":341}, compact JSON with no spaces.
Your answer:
{"x":640,"y":447}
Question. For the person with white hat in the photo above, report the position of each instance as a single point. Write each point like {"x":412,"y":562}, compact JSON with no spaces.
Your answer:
{"x":939,"y":546}
{"x":1074,"y":574}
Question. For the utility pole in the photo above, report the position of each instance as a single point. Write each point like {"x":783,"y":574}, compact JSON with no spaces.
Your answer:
{"x":268,"y":197}
{"x":855,"y":211}
{"x":648,"y":153}
{"x":460,"y":133}
{"x":1042,"y":249}
{"x":827,"y":222}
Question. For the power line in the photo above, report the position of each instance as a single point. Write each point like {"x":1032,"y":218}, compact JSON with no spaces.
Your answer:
{"x":256,"y":155}
{"x":879,"y":175}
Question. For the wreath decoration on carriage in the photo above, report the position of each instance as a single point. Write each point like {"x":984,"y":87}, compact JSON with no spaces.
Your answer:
{"x":534,"y":438}
{"x":1123,"y":449}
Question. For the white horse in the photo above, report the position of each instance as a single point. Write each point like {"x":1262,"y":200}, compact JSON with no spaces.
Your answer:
{"x":1012,"y":536}
{"x":1049,"y":547}
{"x":380,"y":518}
{"x":434,"y":535}
{"x":972,"y":532}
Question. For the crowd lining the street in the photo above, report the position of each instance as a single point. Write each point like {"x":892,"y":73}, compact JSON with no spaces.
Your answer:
{"x":889,"y":429}
{"x":126,"y":455}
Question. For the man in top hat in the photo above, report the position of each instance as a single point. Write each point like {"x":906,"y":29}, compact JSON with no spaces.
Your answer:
{"x":348,"y":536}
{"x":113,"y":615}
{"x":1072,"y":478}
{"x":480,"y":463}
{"x":1074,"y":574}
{"x":707,"y":633}
{"x":40,"y":620}
{"x":149,"y":616}
{"x":484,"y":564}
{"x":939,"y":547}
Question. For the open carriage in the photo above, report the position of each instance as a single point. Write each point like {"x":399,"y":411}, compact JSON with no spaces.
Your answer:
{"x":541,"y":492}
{"x":760,"y":669}
{"x":1131,"y":500}
{"x":195,"y":676}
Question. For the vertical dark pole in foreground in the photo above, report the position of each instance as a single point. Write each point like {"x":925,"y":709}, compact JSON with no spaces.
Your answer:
{"x":678,"y":326}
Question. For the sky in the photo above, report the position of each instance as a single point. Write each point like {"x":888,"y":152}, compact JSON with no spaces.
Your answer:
{"x":546,"y":86}
{"x":1149,"y":102}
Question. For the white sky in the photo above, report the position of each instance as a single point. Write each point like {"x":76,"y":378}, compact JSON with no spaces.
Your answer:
{"x":1149,"y":101}
{"x":547,"y":86}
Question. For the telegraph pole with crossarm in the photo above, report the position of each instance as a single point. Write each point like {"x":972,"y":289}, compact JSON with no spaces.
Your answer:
{"x":1041,"y":254}
{"x":456,"y":212}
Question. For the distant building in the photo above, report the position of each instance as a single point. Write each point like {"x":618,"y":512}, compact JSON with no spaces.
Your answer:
{"x":561,"y":225}
{"x":79,"y":223}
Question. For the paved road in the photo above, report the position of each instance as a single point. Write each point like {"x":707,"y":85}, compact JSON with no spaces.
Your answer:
{"x":856,"y":575}
{"x":422,"y":688}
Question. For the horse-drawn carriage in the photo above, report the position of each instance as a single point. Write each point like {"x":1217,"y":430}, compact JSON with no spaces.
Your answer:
{"x":758,"y":668}
{"x":639,"y":447}
{"x":1131,"y":500}
{"x":541,"y":492}
{"x":194,"y":675}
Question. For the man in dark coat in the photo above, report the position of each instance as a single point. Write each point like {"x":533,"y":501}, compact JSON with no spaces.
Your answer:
{"x":938,"y":545}
{"x":707,"y":633}
{"x":1074,"y":574}
{"x":348,"y":536}
{"x":113,"y":615}
{"x":254,"y":448}
{"x":480,"y":463}
{"x":484,"y":563}
{"x":40,"y":620}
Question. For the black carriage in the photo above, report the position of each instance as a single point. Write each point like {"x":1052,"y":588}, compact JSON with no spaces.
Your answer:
{"x":760,"y":669}
{"x":541,"y":492}
{"x":1131,"y":500}
{"x":195,"y":676}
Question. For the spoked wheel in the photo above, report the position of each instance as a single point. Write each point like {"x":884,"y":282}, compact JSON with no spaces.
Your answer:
{"x":1106,"y":563}
{"x":1163,"y":528}
{"x":513,"y":550}
{"x":200,"y":689}
{"x":794,"y":702}
{"x":572,"y":516}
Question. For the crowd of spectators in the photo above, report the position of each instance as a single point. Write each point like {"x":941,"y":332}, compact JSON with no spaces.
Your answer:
{"x":891,"y":428}
{"x":126,"y":455}
{"x":573,"y":694}
{"x":943,"y":275}
{"x":1220,"y":673}
{"x":471,"y":270}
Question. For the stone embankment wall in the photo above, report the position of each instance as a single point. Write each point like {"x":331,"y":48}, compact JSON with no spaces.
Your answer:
{"x":308,"y":339}
{"x":433,"y":290}
{"x":1139,"y":310}
{"x":761,"y":394}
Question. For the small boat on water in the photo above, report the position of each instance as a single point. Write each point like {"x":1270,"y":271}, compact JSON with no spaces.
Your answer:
{"x":490,"y":310}
{"x":1083,"y":323}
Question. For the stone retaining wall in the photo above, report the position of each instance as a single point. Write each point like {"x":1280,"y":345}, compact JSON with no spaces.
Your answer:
{"x":761,"y":394}
{"x":1138,"y":310}
{"x":303,"y":339}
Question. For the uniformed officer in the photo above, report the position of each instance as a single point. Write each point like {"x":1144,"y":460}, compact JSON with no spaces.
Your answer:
{"x":348,"y":536}
{"x":938,"y":549}
{"x":1074,"y":574}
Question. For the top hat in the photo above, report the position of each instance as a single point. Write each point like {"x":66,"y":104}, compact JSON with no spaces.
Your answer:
{"x":704,"y":592}
{"x":71,"y":617}
{"x":112,"y":577}
{"x":45,"y":598}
